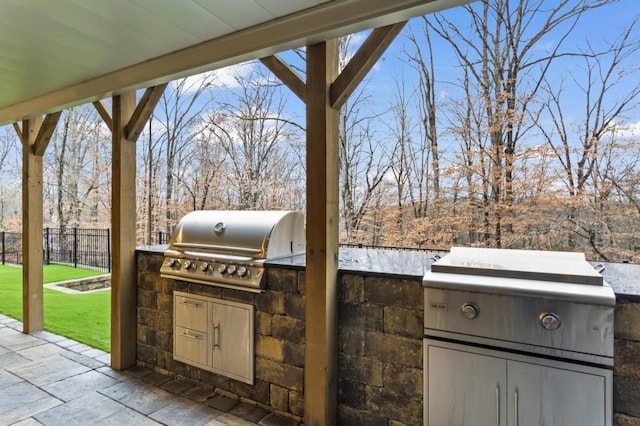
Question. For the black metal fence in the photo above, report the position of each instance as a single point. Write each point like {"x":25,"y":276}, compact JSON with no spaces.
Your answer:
{"x":163,"y":237}
{"x":74,"y":246}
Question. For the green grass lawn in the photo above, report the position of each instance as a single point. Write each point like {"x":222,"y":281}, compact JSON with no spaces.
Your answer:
{"x":82,"y":317}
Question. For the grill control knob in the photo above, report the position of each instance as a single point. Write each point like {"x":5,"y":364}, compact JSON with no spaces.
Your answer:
{"x":231,"y":269}
{"x":172,"y":262}
{"x":469,"y":310}
{"x":549,"y":321}
{"x":189,"y":264}
{"x":242,"y":271}
{"x":222,"y":268}
{"x":205,"y":267}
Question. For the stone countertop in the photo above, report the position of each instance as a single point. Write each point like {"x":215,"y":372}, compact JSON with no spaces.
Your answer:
{"x":624,"y":278}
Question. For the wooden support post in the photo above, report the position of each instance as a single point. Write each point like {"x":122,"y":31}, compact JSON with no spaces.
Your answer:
{"x":123,"y":223}
{"x":32,"y":300}
{"x":320,"y":372}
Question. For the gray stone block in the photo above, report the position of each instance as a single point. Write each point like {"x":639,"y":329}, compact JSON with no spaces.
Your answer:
{"x":361,"y":316}
{"x":288,"y":328}
{"x":404,"y":322}
{"x":627,"y":358}
{"x":284,"y":375}
{"x":627,"y":321}
{"x":626,"y":396}
{"x":352,"y":289}
{"x":271,"y":302}
{"x":390,"y":292}
{"x":360,"y":369}
{"x":394,"y":349}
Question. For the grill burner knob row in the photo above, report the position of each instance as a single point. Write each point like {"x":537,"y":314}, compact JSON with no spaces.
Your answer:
{"x":469,"y":310}
{"x":549,"y":321}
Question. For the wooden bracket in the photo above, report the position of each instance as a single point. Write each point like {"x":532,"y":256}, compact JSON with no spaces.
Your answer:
{"x":104,"y":114}
{"x":143,"y":111}
{"x":288,"y":76}
{"x":45,"y":132}
{"x":362,"y":62}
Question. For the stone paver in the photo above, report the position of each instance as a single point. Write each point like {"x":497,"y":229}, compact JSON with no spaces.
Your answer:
{"x":185,"y":412}
{"x":91,"y":409}
{"x":79,"y":385}
{"x":22,"y":400}
{"x":51,"y":380}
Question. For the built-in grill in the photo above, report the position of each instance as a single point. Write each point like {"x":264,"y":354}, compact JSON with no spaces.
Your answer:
{"x":229,"y":248}
{"x":517,"y":335}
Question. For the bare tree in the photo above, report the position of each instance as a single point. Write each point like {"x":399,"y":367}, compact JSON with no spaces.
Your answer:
{"x":9,"y":155}
{"x":178,"y":115}
{"x":584,"y":148}
{"x":421,"y":59}
{"x":253,"y":130}
{"x":76,"y":158}
{"x":502,"y":58}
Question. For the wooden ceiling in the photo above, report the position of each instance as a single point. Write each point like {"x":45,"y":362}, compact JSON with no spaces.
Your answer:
{"x":59,"y":53}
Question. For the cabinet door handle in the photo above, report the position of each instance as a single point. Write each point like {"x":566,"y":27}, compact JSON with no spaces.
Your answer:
{"x":515,"y":406}
{"x":191,"y":304}
{"x":189,"y":336}
{"x":216,"y":336}
{"x":498,"y":405}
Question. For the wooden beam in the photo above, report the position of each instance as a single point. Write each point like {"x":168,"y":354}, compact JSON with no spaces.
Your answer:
{"x":288,"y":76}
{"x":104,"y":114}
{"x":320,"y":371}
{"x":18,"y":130}
{"x":123,"y":223}
{"x":46,"y":131}
{"x":362,"y":62}
{"x":143,"y":111}
{"x":32,"y":300}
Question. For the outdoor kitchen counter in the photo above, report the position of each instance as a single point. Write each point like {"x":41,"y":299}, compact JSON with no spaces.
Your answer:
{"x":624,"y":278}
{"x":380,"y":333}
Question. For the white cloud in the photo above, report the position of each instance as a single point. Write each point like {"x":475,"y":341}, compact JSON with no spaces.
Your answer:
{"x":631,"y":130}
{"x":223,"y":77}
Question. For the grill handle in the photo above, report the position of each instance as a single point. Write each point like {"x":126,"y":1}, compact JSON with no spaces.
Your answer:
{"x":189,"y":336}
{"x":498,"y":405}
{"x":216,"y":336}
{"x":515,"y":406}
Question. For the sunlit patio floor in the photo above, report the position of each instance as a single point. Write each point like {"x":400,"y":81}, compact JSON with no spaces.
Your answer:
{"x":51,"y":380}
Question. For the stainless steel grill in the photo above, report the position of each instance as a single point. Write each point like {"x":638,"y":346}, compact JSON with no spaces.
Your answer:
{"x":229,"y":248}
{"x":547,"y":315}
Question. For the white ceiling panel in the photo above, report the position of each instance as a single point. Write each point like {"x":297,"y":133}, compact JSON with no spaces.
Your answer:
{"x":232,"y":12}
{"x":188,"y":16}
{"x":59,"y":53}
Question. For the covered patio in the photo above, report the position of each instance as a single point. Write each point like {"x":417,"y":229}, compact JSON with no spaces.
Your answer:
{"x":65,"y":54}
{"x":49,"y":379}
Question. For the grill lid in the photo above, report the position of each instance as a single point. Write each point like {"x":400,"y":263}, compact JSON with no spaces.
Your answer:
{"x":535,"y":265}
{"x":250,"y":234}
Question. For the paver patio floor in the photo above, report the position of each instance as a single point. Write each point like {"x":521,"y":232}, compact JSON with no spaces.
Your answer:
{"x":46,"y":379}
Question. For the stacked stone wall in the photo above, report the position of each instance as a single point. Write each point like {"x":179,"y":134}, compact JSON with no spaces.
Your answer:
{"x":380,"y":351}
{"x":379,"y":345}
{"x":626,"y":380}
{"x":279,"y":336}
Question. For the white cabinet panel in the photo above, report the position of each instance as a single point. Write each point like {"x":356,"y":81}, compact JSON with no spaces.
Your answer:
{"x":232,"y":339}
{"x":465,"y":388}
{"x":214,"y":334}
{"x":467,"y":385}
{"x":190,"y":312}
{"x":554,"y":396}
{"x":191,"y":346}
